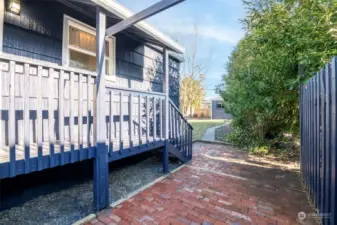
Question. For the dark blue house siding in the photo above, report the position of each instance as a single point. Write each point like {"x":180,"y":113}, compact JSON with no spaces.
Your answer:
{"x":37,"y":33}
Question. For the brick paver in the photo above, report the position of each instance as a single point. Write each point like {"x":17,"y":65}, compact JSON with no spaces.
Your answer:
{"x":219,"y":186}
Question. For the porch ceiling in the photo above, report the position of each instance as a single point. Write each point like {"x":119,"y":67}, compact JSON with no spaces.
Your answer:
{"x":117,"y":12}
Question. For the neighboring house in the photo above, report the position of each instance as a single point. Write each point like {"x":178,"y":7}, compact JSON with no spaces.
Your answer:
{"x":218,"y":111}
{"x":54,"y":110}
{"x":204,"y":111}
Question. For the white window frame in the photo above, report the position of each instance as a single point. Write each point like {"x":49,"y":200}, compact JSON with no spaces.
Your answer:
{"x":69,"y":21}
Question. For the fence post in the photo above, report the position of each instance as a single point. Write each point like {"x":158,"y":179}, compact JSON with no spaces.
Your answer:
{"x":101,"y":169}
{"x":166,"y":121}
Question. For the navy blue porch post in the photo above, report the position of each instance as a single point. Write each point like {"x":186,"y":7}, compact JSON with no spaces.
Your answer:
{"x":101,"y":164}
{"x":166,"y":107}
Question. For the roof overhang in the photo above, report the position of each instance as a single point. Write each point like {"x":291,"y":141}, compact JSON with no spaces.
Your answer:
{"x":122,"y":13}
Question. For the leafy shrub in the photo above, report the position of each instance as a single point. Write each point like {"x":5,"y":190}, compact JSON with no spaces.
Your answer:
{"x":286,"y":43}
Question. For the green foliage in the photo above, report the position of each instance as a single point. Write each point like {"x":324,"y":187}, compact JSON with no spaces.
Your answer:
{"x":286,"y":42}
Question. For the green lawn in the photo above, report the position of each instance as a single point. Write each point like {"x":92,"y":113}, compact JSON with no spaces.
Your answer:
{"x":200,"y":126}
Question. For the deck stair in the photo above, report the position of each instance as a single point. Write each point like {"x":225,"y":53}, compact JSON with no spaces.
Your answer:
{"x":180,"y":135}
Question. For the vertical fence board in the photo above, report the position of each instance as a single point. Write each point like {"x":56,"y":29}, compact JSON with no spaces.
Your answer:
{"x":312,"y":129}
{"x":318,"y":125}
{"x":333,"y":140}
{"x":323,"y":139}
{"x":301,"y":128}
{"x":311,"y":139}
{"x":314,"y":150}
{"x":328,"y":140}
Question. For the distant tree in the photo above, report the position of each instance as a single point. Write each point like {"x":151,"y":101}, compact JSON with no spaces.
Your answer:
{"x":193,"y":73}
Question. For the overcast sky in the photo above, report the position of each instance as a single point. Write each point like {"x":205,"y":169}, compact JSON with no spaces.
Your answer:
{"x":218,"y":25}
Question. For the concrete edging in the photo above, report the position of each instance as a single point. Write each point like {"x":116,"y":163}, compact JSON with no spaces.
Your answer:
{"x":213,"y":142}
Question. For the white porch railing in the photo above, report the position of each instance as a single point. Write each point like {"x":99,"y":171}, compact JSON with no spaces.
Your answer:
{"x":48,"y":109}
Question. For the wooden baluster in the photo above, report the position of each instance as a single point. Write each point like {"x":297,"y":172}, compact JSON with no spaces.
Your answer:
{"x":131,"y":120}
{"x":191,"y":146}
{"x":140,"y":119}
{"x":26,"y":118}
{"x":176,"y":127}
{"x":185,"y":139}
{"x":39,"y":116}
{"x":170,"y":123}
{"x":80,"y":116}
{"x":182,"y":137}
{"x":147,"y":120}
{"x":173,"y":125}
{"x":111,"y":123}
{"x":161,"y":118}
{"x":51,"y":117}
{"x":11,"y":122}
{"x":61,"y":115}
{"x":121,"y":120}
{"x":89,"y":92}
{"x":180,"y":131}
{"x":72,"y":118}
{"x":154,"y":119}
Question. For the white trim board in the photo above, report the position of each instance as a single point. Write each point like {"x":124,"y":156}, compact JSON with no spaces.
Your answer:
{"x":123,"y":13}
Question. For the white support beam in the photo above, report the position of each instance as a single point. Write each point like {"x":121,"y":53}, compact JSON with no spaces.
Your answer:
{"x":2,"y":16}
{"x":100,"y":82}
{"x":101,"y":162}
{"x":142,"y":15}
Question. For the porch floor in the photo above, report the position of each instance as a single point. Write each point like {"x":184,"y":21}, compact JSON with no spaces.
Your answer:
{"x":221,"y":185}
{"x":20,"y":152}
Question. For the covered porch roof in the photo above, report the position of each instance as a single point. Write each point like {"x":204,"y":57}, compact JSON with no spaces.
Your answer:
{"x":117,"y":12}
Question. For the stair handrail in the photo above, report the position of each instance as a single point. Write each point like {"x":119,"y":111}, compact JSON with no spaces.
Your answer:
{"x":180,"y":114}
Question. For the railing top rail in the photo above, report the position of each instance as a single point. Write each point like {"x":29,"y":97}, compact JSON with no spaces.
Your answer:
{"x":181,"y":115}
{"x":35,"y":62}
{"x":129,"y":90}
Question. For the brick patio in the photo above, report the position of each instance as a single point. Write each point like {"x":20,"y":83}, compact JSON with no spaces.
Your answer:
{"x":220,"y":186}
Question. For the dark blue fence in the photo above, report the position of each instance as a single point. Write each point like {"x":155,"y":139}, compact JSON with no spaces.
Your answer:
{"x":319,"y":140}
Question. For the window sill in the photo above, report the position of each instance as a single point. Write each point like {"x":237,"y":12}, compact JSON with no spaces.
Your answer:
{"x":111,"y":78}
